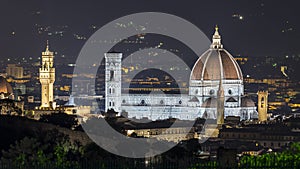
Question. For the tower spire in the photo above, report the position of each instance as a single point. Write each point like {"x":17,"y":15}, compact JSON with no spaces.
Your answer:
{"x":47,"y":47}
{"x":216,"y":30}
{"x":216,"y":40}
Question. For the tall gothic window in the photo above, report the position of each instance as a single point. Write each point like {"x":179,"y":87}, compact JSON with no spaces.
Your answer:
{"x":262,"y":102}
{"x":112,"y":74}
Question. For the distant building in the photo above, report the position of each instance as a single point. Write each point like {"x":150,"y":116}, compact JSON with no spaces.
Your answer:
{"x":6,"y":90}
{"x":273,"y":136}
{"x":8,"y":104}
{"x":262,"y":105}
{"x":162,"y":130}
{"x":14,"y":71}
{"x":70,"y":108}
{"x":30,"y":99}
{"x":47,"y":78}
{"x":216,"y":91}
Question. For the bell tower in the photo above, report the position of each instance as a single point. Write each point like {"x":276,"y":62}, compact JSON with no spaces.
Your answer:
{"x":47,"y":78}
{"x":262,"y":105}
{"x":113,"y":81}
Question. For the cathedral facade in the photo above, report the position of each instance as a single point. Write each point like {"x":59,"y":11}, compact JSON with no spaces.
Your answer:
{"x":216,"y":90}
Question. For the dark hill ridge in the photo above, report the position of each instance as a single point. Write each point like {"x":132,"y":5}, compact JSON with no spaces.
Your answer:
{"x":13,"y":128}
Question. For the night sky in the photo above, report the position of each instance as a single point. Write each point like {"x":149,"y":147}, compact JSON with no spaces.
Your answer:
{"x":248,"y":28}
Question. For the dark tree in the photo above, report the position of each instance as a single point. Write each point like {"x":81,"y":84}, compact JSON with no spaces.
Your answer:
{"x":61,"y":119}
{"x":47,"y":148}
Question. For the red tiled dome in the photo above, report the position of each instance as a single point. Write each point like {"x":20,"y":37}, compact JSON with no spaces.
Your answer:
{"x":216,"y":63}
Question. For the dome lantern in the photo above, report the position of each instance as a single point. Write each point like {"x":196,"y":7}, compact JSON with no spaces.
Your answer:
{"x":216,"y":40}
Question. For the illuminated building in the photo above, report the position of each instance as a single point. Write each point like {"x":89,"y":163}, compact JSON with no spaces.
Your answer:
{"x":216,"y":90}
{"x":113,"y":81}
{"x":14,"y":71}
{"x":262,"y":105}
{"x":6,"y":90}
{"x":174,"y":134}
{"x":8,"y":104}
{"x":47,"y":78}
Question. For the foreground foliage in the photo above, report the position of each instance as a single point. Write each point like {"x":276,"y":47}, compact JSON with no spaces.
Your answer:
{"x":287,"y":159}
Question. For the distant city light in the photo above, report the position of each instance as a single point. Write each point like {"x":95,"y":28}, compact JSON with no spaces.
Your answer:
{"x":79,"y":37}
{"x":238,"y":16}
{"x":71,"y":65}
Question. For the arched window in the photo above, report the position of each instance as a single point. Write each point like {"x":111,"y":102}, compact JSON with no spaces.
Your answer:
{"x":112,"y":74}
{"x":262,"y":102}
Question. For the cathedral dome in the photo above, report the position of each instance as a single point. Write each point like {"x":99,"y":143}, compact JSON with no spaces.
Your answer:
{"x":216,"y":63}
{"x":5,"y":87}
